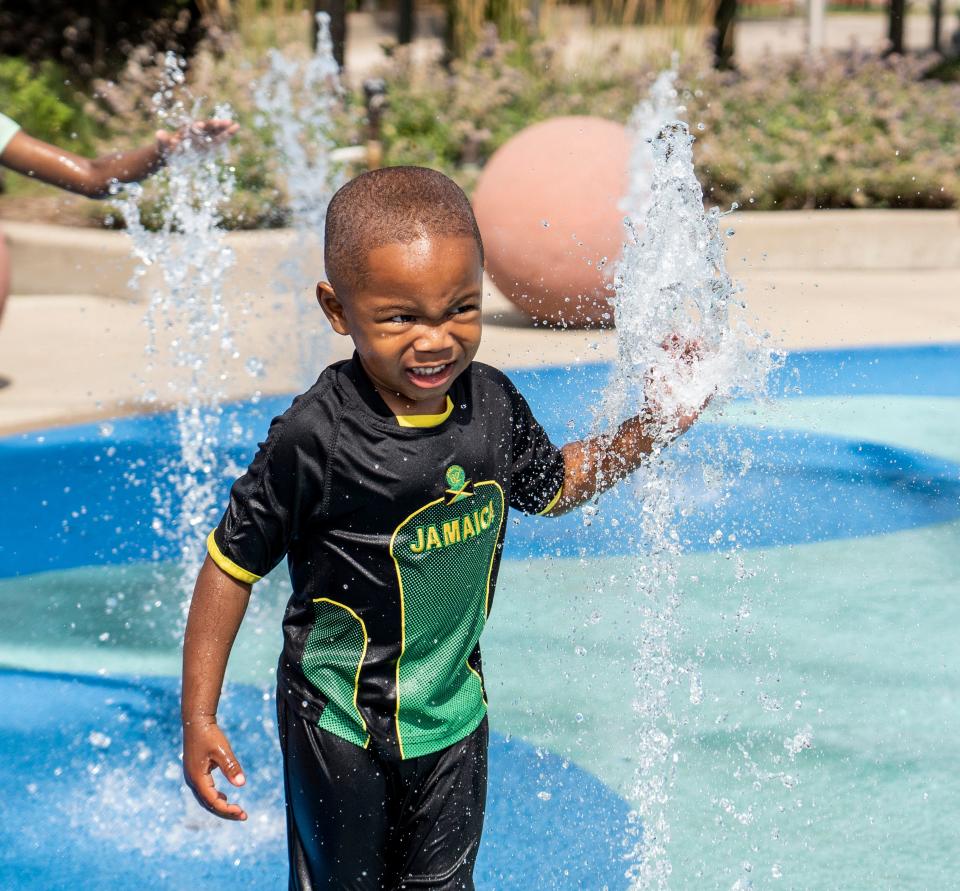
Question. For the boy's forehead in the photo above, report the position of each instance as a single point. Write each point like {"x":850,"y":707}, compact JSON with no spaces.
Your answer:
{"x":428,"y":263}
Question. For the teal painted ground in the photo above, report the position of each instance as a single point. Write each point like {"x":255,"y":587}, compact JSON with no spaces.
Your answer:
{"x":849,"y":644}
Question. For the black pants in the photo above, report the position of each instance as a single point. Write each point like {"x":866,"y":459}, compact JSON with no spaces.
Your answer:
{"x":360,"y":822}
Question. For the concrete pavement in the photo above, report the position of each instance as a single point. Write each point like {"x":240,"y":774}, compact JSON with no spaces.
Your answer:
{"x":73,"y":340}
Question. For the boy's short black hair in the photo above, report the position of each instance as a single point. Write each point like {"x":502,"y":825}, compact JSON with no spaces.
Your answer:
{"x":386,"y":206}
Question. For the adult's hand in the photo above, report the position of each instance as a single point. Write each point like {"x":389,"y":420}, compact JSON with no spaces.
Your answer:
{"x":199,"y":134}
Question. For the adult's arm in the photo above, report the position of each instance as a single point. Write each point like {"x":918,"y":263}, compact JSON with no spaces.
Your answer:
{"x":92,"y":176}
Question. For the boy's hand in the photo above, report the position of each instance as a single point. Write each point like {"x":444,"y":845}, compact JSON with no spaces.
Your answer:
{"x":593,"y":465}
{"x":202,"y":134}
{"x":675,"y":415}
{"x":206,"y":747}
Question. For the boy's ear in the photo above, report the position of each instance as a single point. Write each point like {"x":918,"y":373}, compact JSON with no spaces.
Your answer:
{"x":332,"y":307}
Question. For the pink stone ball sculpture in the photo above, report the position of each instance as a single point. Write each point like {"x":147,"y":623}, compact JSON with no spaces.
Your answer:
{"x":547,"y":204}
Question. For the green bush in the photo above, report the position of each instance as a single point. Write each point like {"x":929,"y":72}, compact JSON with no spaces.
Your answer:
{"x":41,"y":100}
{"x":454,"y":120}
{"x":842,"y":132}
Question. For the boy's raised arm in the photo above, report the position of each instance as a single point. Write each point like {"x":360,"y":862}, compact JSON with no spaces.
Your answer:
{"x":593,"y":465}
{"x":216,"y":610}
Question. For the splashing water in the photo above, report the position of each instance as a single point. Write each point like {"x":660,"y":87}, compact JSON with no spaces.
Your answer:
{"x":648,"y":117}
{"x":296,"y":100}
{"x":671,"y":291}
{"x":143,"y":787}
{"x":190,"y":349}
{"x":191,"y":256}
{"x":672,"y":287}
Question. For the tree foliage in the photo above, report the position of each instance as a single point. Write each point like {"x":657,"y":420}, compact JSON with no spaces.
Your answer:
{"x":93,"y":37}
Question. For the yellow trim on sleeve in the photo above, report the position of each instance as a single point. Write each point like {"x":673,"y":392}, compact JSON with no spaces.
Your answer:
{"x":553,"y":502}
{"x":426,"y":420}
{"x":227,"y":565}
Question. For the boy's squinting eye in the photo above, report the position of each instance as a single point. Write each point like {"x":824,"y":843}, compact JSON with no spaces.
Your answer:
{"x":401,"y":319}
{"x":465,"y":308}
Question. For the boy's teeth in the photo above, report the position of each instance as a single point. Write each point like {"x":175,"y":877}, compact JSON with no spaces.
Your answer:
{"x":428,"y":372}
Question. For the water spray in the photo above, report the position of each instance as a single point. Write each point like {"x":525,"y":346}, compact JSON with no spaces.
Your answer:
{"x":296,"y":100}
{"x":190,"y":254}
{"x":679,"y":346}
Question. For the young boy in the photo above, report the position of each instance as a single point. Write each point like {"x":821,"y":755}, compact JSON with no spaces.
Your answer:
{"x":386,"y":484}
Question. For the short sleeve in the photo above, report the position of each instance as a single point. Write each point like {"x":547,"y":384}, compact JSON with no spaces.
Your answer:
{"x":8,"y":129}
{"x":537,"y":470}
{"x":266,"y":505}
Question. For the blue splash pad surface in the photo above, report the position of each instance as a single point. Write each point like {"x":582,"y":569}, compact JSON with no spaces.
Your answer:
{"x":549,"y":824}
{"x":81,"y":495}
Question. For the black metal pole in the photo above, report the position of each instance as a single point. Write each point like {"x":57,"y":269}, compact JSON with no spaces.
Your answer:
{"x":895,"y":32}
{"x":937,"y":12}
{"x":724,"y":20}
{"x":405,"y":23}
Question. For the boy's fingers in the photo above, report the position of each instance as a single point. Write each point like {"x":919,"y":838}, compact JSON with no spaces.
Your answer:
{"x":227,"y":762}
{"x":206,"y":747}
{"x":215,"y":801}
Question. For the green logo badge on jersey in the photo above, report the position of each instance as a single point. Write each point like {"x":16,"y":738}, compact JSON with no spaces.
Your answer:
{"x":458,"y":486}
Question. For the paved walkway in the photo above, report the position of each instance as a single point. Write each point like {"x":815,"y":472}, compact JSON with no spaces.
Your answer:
{"x":73,"y":356}
{"x":755,"y":39}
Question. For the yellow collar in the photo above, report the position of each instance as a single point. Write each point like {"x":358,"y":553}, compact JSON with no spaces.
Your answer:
{"x":426,"y":420}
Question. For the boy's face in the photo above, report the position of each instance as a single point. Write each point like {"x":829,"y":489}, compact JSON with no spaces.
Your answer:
{"x":415,"y":318}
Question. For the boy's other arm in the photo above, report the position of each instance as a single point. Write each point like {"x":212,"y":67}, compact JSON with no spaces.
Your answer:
{"x":216,"y":610}
{"x":593,"y":465}
{"x":92,"y":176}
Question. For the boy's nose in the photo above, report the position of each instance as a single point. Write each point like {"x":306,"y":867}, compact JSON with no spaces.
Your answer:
{"x":433,"y":339}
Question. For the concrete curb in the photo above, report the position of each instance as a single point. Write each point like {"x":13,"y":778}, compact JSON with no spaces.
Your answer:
{"x":50,"y":259}
{"x":846,"y":240}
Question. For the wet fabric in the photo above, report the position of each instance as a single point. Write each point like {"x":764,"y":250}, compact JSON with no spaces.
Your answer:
{"x":8,"y":129}
{"x":393,"y":538}
{"x":359,"y":822}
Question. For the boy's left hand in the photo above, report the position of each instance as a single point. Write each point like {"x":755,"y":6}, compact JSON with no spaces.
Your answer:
{"x":202,"y":134}
{"x":680,"y":417}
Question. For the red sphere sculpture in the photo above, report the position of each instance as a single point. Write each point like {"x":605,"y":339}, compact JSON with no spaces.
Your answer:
{"x":547,"y":204}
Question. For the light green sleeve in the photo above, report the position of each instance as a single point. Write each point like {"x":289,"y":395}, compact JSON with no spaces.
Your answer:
{"x":8,"y":129}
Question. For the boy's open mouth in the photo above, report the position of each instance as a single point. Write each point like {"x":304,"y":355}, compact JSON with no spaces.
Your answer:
{"x":428,"y":376}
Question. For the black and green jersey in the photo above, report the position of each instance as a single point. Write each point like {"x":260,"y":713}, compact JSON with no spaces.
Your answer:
{"x":393,"y":529}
